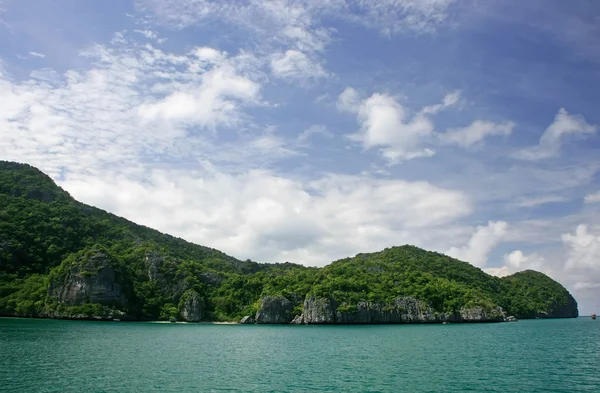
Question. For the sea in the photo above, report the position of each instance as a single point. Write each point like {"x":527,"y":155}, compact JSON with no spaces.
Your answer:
{"x":561,"y":355}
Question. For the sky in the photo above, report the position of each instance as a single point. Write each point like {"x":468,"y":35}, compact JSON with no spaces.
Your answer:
{"x":312,"y":130}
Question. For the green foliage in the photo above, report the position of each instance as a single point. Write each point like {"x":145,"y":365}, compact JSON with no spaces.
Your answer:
{"x":45,"y":235}
{"x":530,"y":294}
{"x":168,"y":311}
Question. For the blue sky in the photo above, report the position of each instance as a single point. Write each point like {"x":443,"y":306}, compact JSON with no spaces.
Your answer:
{"x":308,"y":130}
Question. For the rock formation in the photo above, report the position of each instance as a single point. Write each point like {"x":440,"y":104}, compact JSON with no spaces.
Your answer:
{"x":274,"y":309}
{"x":402,"y":310}
{"x":247,"y":320}
{"x":91,"y":279}
{"x":191,"y":309}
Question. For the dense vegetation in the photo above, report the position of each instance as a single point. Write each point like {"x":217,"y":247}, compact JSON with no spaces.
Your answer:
{"x":47,"y":238}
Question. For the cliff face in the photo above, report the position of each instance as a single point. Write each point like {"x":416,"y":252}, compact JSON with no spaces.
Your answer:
{"x":91,"y":280}
{"x":402,"y":310}
{"x":568,"y":310}
{"x":274,"y":309}
{"x":191,"y":309}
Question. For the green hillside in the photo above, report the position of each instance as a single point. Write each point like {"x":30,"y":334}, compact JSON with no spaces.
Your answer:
{"x":51,"y":246}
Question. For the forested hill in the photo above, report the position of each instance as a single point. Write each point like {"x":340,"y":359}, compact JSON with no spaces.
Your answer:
{"x":63,"y":259}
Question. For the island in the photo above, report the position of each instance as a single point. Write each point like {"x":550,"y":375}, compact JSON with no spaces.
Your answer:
{"x":60,"y":258}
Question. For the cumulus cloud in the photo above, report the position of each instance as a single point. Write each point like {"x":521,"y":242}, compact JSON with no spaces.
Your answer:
{"x":387,"y":125}
{"x":481,"y":243}
{"x":575,"y":262}
{"x":136,"y":101}
{"x":584,"y":248}
{"x":348,"y":100}
{"x":564,"y":124}
{"x":476,"y":132}
{"x":516,"y":261}
{"x":129,"y":135}
{"x":268,"y":217}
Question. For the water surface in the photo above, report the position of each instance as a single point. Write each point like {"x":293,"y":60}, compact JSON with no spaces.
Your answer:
{"x":81,"y":356}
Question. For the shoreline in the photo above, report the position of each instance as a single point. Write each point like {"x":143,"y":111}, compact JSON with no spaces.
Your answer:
{"x":91,"y":319}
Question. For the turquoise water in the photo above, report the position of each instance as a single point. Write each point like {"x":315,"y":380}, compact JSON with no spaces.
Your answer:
{"x":79,"y":356}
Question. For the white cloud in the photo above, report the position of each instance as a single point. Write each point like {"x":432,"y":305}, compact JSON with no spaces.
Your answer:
{"x":135,"y":101}
{"x":266,"y":217}
{"x":317,"y":129}
{"x":297,"y":20}
{"x":296,"y":65}
{"x":584,"y":248}
{"x":127,"y":135}
{"x":563,"y":125}
{"x":36,"y":54}
{"x":348,"y":100}
{"x":151,"y":35}
{"x":450,"y":99}
{"x":481,"y":243}
{"x":396,"y":16}
{"x":592,"y":198}
{"x":575,"y":262}
{"x":212,"y":101}
{"x":516,"y":261}
{"x":476,"y":132}
{"x":581,"y":271}
{"x":386,"y":124}
{"x":540,"y":200}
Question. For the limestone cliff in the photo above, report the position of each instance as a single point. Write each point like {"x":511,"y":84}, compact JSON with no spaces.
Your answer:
{"x":90,"y":278}
{"x":274,"y":309}
{"x":402,"y":310}
{"x":191,"y":306}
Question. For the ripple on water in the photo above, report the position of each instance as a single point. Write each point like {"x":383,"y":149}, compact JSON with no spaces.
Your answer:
{"x":74,"y":356}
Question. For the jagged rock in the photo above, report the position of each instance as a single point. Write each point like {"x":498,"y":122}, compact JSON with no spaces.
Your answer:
{"x":274,"y":309}
{"x":153,"y":262}
{"x":478,"y":314}
{"x":247,"y":320}
{"x":211,"y":278}
{"x":191,"y":309}
{"x":402,"y":310}
{"x":319,"y":310}
{"x":298,"y":320}
{"x":91,"y":279}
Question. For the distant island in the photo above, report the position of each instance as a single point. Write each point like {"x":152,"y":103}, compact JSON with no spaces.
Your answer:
{"x":60,"y":258}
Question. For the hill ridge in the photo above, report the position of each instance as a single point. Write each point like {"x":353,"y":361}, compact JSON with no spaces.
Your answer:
{"x":51,"y":244}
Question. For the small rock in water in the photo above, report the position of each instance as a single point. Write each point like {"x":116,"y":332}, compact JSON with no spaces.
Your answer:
{"x":247,"y":320}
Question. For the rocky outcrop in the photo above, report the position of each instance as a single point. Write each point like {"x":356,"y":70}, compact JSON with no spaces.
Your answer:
{"x":191,"y":306}
{"x":568,"y":309}
{"x":153,"y":263}
{"x":211,"y":278}
{"x":298,"y":320}
{"x":247,"y":320}
{"x":478,"y":314}
{"x":402,"y":310}
{"x":90,"y":279}
{"x":274,"y":309}
{"x":319,"y":310}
